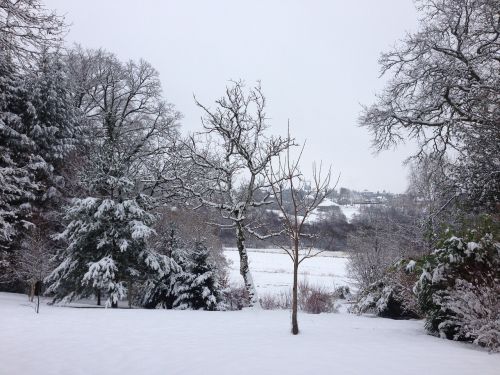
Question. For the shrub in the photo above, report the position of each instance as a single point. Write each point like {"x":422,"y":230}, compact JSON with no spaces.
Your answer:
{"x":312,"y":299}
{"x":279,"y":301}
{"x":390,"y":297}
{"x":342,"y":292}
{"x":474,"y":313}
{"x":233,"y":297}
{"x":315,"y":299}
{"x":458,"y":289}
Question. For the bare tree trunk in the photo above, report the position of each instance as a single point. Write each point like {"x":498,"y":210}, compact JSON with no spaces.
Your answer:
{"x":130,"y":294}
{"x":295,"y":323}
{"x":32,"y":291}
{"x":98,"y":297}
{"x":244,"y":269}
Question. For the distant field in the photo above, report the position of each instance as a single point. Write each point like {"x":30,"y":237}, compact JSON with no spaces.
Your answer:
{"x":272,"y":269}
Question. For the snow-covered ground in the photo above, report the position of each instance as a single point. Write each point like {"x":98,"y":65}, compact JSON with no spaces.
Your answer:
{"x":92,"y":341}
{"x":84,"y":340}
{"x":272,"y":269}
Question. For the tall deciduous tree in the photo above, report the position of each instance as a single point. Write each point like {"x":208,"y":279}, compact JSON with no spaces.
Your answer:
{"x":26,"y":29}
{"x":444,"y":92}
{"x":227,"y":163}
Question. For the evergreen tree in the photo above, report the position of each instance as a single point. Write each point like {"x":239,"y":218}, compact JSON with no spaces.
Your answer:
{"x":180,"y":282}
{"x":106,"y":250}
{"x":192,"y":282}
{"x":17,"y":161}
{"x":203,"y":286}
{"x":55,"y":126}
{"x":38,"y":130}
{"x":163,"y":291}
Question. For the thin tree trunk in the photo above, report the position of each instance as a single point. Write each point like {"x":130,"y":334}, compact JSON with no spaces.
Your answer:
{"x":295,"y":323}
{"x":32,"y":291}
{"x":244,"y":269}
{"x":130,"y":294}
{"x":98,"y":297}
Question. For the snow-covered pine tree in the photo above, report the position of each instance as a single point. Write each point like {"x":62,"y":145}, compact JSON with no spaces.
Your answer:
{"x":164,"y":291}
{"x":204,"y":288}
{"x":106,"y":250}
{"x":179,"y":293}
{"x":27,"y":29}
{"x":17,"y":162}
{"x":192,"y":282}
{"x":38,"y":131}
{"x":55,"y":126}
{"x":54,"y":129}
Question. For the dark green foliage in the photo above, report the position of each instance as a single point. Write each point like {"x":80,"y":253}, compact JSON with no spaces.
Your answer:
{"x":37,"y":131}
{"x":191,"y":284}
{"x":473,"y":259}
{"x":204,"y":289}
{"x":390,"y":297}
{"x":17,"y":162}
{"x":169,"y":290}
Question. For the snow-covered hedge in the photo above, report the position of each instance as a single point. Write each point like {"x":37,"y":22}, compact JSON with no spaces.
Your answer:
{"x":390,"y":297}
{"x":458,"y":289}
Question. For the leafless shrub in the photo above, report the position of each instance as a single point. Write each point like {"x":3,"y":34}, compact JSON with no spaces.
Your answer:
{"x":276,"y":301}
{"x":315,"y":299}
{"x":312,"y":299}
{"x":234,"y":297}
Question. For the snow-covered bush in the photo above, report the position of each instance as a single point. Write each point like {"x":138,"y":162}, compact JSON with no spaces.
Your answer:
{"x":342,"y":292}
{"x":475,"y":312}
{"x":458,"y":289}
{"x":390,"y":297}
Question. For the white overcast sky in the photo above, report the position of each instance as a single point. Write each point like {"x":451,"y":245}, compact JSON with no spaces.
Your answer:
{"x":316,"y":59}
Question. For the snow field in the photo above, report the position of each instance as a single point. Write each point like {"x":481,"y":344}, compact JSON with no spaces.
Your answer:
{"x":83,"y":340}
{"x":272,"y":269}
{"x":91,"y":341}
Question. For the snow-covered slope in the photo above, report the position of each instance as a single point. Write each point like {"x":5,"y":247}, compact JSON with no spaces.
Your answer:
{"x":83,"y":341}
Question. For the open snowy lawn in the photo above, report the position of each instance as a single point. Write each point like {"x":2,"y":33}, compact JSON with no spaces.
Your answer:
{"x":272,"y":269}
{"x":63,"y":340}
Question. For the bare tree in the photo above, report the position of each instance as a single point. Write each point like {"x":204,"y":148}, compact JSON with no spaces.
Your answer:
{"x":445,"y":92}
{"x":27,"y":28}
{"x":287,"y":179}
{"x":34,"y":263}
{"x":129,"y":126}
{"x":227,"y":163}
